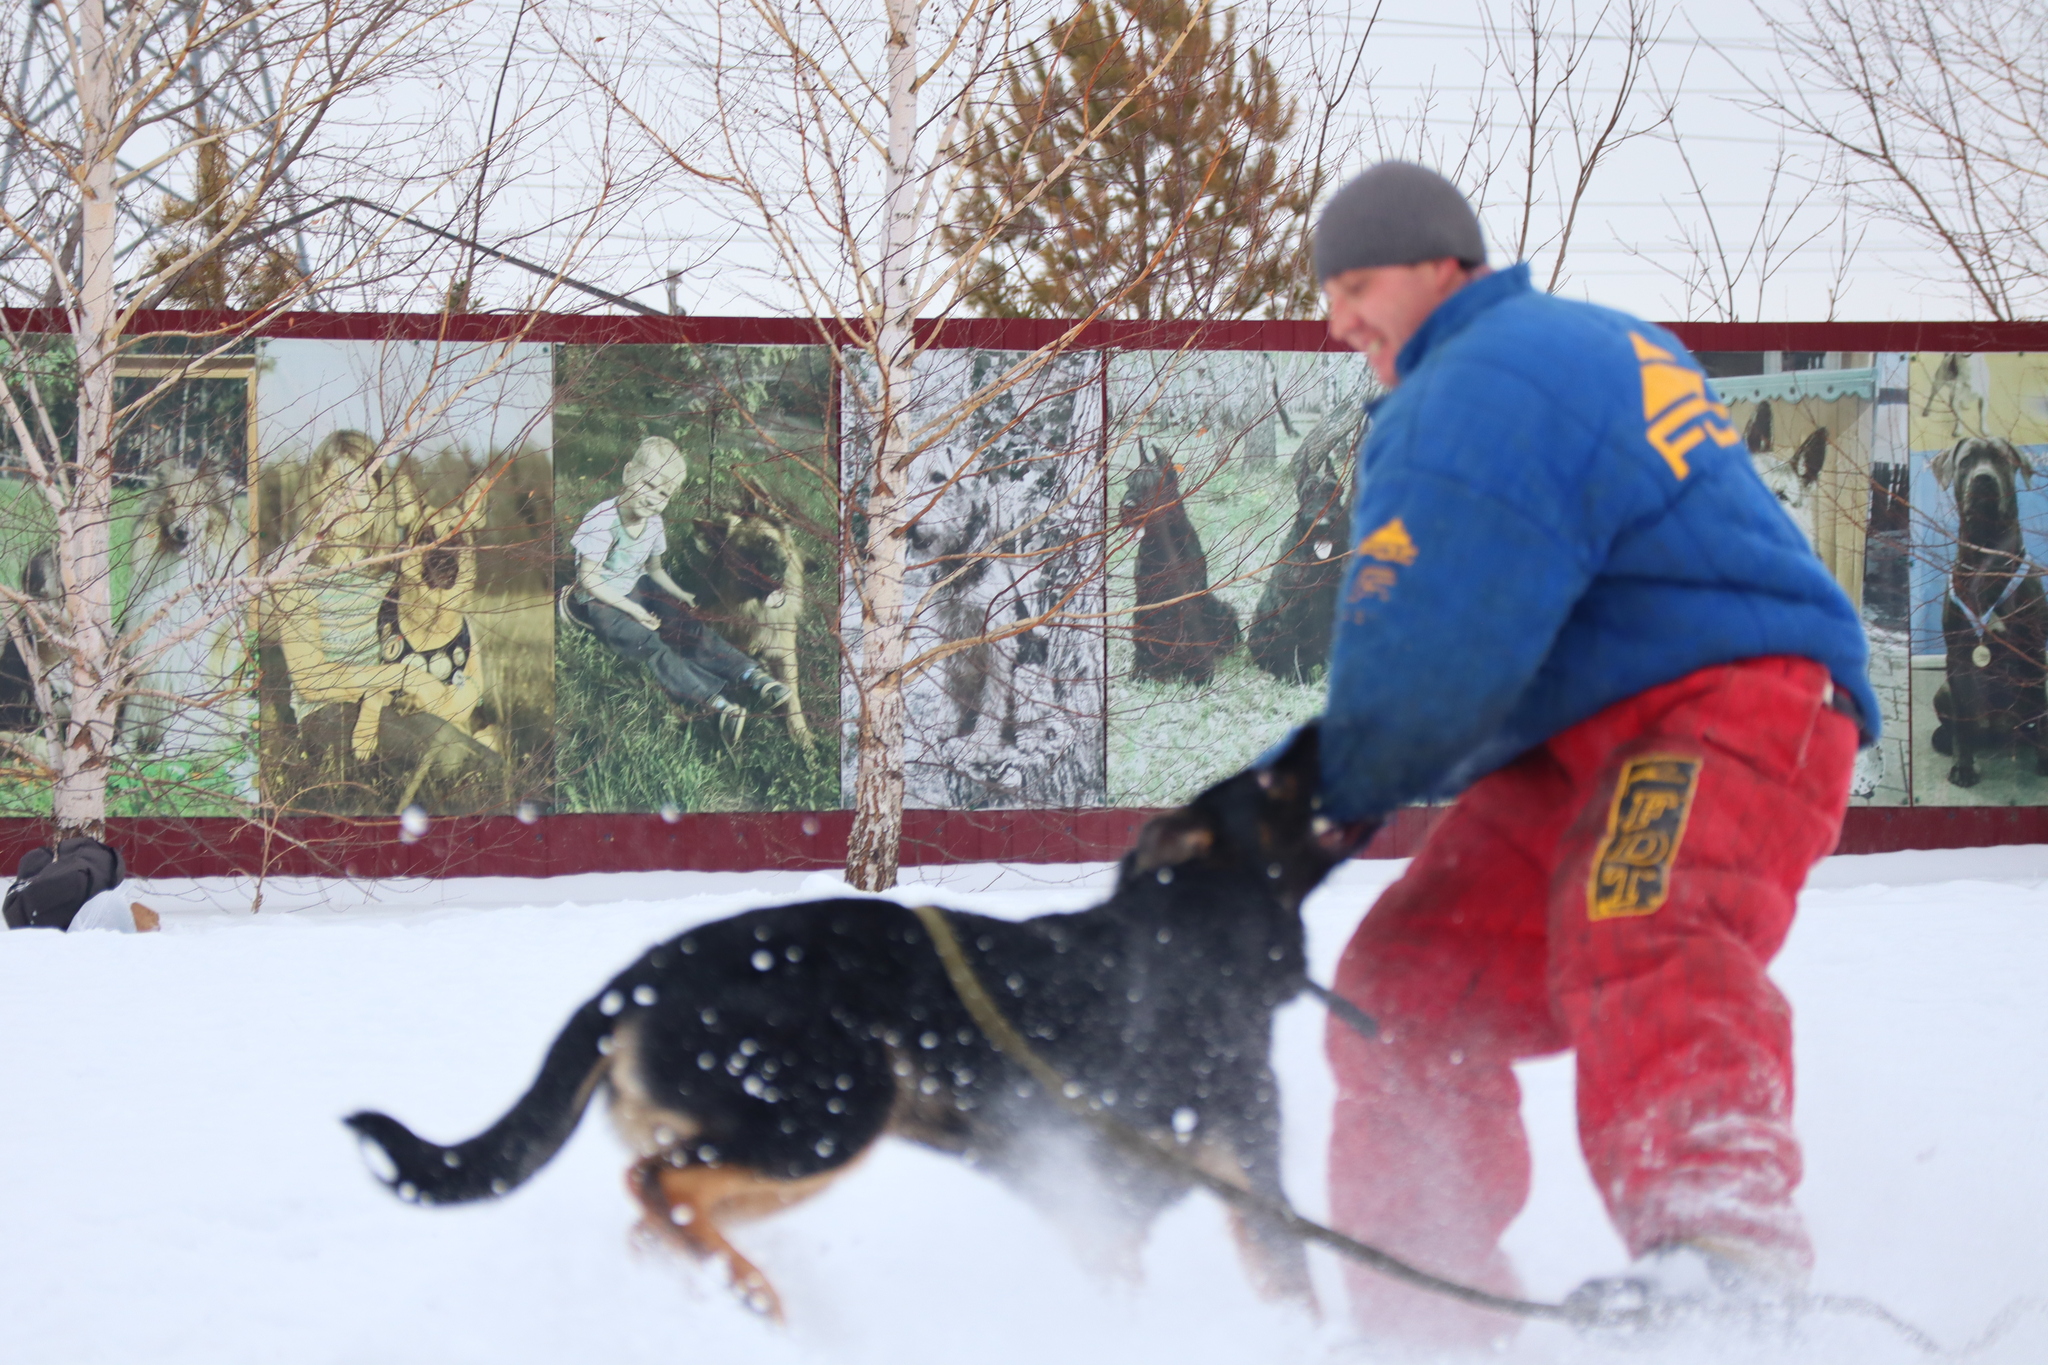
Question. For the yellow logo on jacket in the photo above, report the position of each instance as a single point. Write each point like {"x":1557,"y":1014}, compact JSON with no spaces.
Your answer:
{"x":1632,"y":868}
{"x":1390,"y":544}
{"x":1677,"y":413}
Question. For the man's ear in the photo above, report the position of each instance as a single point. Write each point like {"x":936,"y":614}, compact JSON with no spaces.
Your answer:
{"x":1179,"y":836}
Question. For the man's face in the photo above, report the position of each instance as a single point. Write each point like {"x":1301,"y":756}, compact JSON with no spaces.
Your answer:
{"x":1376,"y":308}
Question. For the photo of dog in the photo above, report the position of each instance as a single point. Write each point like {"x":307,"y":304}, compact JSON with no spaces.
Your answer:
{"x":184,"y":624}
{"x":1178,"y":627}
{"x":750,"y":1062}
{"x":35,"y":677}
{"x":753,"y":575}
{"x":1004,"y":581}
{"x":1995,"y":621}
{"x":1258,"y":477}
{"x":731,"y":704}
{"x":406,"y":656}
{"x":1978,"y":614}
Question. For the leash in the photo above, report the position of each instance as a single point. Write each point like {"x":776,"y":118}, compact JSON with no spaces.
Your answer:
{"x":1363,"y":1024}
{"x":1584,"y":1312}
{"x":1161,"y":1152}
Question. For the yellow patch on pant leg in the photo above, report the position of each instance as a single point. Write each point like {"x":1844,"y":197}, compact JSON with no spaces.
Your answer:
{"x":1632,"y":867}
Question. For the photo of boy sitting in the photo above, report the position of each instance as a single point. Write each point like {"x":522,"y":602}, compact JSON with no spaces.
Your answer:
{"x":624,"y":596}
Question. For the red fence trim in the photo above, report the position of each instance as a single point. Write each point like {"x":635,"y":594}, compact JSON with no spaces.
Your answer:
{"x":1010,"y":334}
{"x":558,"y":845}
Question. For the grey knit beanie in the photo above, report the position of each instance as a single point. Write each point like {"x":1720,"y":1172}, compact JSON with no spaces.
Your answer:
{"x":1396,"y":213}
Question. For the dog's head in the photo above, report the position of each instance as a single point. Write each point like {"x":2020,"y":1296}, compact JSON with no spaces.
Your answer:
{"x":1982,"y":474}
{"x":1152,"y":486}
{"x":1260,"y":827}
{"x":186,"y":505}
{"x":752,"y":553}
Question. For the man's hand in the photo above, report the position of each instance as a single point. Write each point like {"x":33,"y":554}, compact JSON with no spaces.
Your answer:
{"x":645,"y":617}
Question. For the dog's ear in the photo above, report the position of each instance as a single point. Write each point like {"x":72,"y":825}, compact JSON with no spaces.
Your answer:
{"x":1169,"y":840}
{"x":1296,"y":771}
{"x":1944,"y":466}
{"x":2013,"y":456}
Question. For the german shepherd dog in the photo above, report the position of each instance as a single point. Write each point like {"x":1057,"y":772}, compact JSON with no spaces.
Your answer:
{"x":751,"y":1061}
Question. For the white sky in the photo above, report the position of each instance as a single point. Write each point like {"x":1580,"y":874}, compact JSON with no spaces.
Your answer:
{"x":1623,"y":252}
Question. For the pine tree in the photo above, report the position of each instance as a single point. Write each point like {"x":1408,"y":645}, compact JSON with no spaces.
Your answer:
{"x":1188,"y":205}
{"x":249,"y":275}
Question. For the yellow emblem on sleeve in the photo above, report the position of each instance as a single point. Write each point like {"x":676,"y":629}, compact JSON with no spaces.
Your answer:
{"x":1390,"y":544}
{"x":1677,"y":413}
{"x":1632,"y":869}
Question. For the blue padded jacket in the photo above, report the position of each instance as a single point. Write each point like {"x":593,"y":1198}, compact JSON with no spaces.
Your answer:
{"x":1554,"y":514}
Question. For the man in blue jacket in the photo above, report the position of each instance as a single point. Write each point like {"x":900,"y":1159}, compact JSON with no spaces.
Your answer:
{"x":1571,"y":599}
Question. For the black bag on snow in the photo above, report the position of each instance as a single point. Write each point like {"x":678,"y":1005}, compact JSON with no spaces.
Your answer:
{"x":49,"y":888}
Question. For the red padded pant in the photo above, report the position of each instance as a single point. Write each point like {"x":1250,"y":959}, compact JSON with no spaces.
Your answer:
{"x":1619,"y":891}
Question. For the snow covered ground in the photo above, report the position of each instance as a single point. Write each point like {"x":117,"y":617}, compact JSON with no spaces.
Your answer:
{"x":178,"y":1187}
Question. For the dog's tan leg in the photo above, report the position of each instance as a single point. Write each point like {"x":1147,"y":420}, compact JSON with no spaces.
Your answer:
{"x":782,"y":661}
{"x":147,"y":921}
{"x":1276,"y":1264}
{"x":684,"y":1205}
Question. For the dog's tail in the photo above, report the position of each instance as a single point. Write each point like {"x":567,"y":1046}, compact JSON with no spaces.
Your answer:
{"x":503,"y":1156}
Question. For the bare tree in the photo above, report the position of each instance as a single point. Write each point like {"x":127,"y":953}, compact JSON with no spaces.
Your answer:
{"x":1723,"y":266}
{"x":1562,"y":91}
{"x":1937,"y":118}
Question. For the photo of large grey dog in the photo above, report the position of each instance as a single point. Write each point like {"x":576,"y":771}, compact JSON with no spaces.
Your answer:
{"x":1994,"y":623}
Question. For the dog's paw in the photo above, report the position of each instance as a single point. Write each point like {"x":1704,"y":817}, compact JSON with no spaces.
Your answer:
{"x":1943,"y":745}
{"x":1961,"y":776}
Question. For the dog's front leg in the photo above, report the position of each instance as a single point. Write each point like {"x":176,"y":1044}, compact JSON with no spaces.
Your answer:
{"x":782,"y":662}
{"x":1966,"y":700}
{"x":1275,"y":1262}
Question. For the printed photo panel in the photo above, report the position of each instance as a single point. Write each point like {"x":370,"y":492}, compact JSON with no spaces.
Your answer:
{"x":35,"y":681}
{"x":1978,"y":428}
{"x":1003,"y":576}
{"x":1826,"y":433}
{"x":697,"y":667}
{"x":405,"y":518}
{"x":183,"y":742}
{"x":1231,"y":477}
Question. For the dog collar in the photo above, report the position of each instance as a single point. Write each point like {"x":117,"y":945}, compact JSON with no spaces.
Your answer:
{"x":1989,"y":620}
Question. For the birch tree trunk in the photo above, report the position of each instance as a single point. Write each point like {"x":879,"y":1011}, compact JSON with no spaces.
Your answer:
{"x":85,"y":521}
{"x":873,"y":847}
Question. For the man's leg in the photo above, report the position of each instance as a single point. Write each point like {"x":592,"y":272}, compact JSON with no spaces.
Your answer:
{"x":1704,"y":804}
{"x":1428,"y":1159}
{"x":683,"y":682}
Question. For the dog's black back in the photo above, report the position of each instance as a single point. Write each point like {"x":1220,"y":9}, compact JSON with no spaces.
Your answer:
{"x":782,"y":1042}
